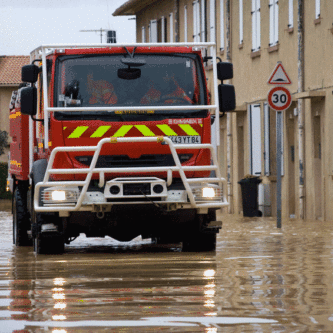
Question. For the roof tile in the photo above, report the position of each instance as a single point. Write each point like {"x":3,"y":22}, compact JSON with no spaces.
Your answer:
{"x":10,"y":69}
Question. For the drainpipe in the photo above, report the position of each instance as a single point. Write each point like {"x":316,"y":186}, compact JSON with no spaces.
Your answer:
{"x":229,"y":130}
{"x":300,"y":102}
{"x":176,"y":11}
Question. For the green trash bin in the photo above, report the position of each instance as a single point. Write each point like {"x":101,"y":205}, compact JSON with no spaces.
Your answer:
{"x":249,"y":188}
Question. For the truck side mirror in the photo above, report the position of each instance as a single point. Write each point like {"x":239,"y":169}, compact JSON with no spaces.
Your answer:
{"x":227,"y":97}
{"x":29,"y":101}
{"x":225,"y":71}
{"x":29,"y":73}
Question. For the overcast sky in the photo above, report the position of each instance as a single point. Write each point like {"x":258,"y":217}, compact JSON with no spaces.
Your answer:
{"x":27,"y":24}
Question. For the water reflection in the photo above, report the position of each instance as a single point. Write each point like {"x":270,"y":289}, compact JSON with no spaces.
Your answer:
{"x":259,"y":281}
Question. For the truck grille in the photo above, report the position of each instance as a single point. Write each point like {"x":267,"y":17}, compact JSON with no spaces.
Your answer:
{"x":123,"y":161}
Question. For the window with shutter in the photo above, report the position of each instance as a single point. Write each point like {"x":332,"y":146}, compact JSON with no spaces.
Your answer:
{"x":255,"y":25}
{"x":273,"y":22}
{"x":317,"y":9}
{"x":153,"y":31}
{"x":221,"y":25}
{"x":255,"y":139}
{"x":241,"y":22}
{"x":171,"y":27}
{"x":143,"y":34}
{"x":291,"y":14}
{"x":196,"y":21}
{"x":203,"y":21}
{"x":185,"y":24}
{"x":266,"y":139}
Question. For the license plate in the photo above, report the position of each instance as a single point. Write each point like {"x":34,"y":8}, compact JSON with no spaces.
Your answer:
{"x":185,"y":139}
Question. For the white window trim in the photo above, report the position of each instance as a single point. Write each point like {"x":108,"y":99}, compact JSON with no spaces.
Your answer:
{"x":291,"y":14}
{"x":171,"y":27}
{"x":273,"y":22}
{"x":185,"y":24}
{"x":221,"y":25}
{"x":241,"y":31}
{"x":256,"y":36}
{"x":317,"y":9}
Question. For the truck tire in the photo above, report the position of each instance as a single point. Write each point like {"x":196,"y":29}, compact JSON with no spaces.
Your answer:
{"x":201,"y":239}
{"x":48,"y":242}
{"x":200,"y":242}
{"x":21,"y":222}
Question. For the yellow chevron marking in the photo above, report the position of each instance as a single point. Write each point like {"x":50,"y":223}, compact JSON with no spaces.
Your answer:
{"x":19,"y":165}
{"x":78,"y":132}
{"x":188,"y":129}
{"x":15,"y":115}
{"x":122,"y":131}
{"x":167,"y":130}
{"x":65,"y":127}
{"x":101,"y":130}
{"x":201,"y":125}
{"x":145,"y":130}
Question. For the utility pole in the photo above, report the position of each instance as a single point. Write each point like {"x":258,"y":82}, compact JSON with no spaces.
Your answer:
{"x":96,"y":30}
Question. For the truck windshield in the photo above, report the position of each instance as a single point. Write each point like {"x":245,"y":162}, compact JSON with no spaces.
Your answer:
{"x":88,"y":81}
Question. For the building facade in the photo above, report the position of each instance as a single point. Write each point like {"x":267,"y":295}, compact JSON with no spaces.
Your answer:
{"x":255,"y":35}
{"x":10,"y":78}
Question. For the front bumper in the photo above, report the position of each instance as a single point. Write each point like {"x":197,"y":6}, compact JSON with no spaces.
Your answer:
{"x":67,"y":196}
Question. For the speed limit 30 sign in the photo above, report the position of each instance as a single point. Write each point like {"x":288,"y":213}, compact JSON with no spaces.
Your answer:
{"x":279,"y":98}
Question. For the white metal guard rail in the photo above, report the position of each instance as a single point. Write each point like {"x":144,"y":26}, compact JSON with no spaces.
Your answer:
{"x":92,"y":170}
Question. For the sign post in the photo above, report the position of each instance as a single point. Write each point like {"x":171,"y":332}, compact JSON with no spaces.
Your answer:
{"x":279,"y":99}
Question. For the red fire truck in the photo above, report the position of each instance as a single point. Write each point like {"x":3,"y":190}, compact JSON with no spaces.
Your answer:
{"x":116,"y":140}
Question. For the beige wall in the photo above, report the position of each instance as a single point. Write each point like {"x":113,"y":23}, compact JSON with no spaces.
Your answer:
{"x":251,"y":73}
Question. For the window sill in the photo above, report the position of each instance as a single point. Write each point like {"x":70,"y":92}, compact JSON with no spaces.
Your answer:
{"x":273,"y":48}
{"x":255,"y":54}
{"x":290,"y":30}
{"x":317,"y":21}
{"x":221,"y":51}
{"x":240,"y":46}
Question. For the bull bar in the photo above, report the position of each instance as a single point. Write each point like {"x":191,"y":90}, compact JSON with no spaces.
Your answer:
{"x":178,"y":167}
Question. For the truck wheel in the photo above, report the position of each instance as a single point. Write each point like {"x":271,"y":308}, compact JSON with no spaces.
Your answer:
{"x":49,"y":243}
{"x":200,"y":242}
{"x":200,"y":239}
{"x":21,"y":221}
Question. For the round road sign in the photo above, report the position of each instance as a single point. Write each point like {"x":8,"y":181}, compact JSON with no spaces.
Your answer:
{"x":279,"y":98}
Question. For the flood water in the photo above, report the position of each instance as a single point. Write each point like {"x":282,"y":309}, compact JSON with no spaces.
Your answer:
{"x":261,"y":279}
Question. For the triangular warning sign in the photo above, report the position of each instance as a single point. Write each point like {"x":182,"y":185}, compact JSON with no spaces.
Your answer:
{"x":279,"y":75}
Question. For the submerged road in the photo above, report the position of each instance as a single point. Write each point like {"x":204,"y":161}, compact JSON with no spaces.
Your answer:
{"x":260,"y":279}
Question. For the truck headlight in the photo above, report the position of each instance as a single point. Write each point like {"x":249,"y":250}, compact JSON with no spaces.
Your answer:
{"x":208,"y":192}
{"x":54,"y":195}
{"x":58,"y":195}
